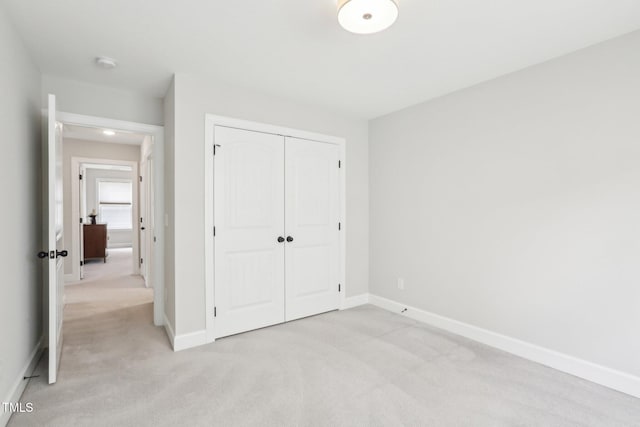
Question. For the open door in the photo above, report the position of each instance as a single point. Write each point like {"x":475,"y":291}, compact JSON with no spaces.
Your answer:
{"x":83,"y":214}
{"x":145,"y":210}
{"x":54,"y":238}
{"x":150,"y":223}
{"x":142,"y":230}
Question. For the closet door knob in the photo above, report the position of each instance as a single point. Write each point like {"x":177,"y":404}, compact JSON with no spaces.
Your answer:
{"x":63,"y":254}
{"x":280,"y":239}
{"x":289,"y":239}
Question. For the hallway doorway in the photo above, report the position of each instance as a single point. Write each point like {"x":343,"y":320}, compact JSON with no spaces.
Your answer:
{"x":132,"y":262}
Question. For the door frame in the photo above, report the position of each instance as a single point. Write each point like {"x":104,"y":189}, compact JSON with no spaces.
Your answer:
{"x":211,"y":121}
{"x":76,"y":162}
{"x":157,"y":133}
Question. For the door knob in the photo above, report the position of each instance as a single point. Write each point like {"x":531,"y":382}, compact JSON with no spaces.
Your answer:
{"x":289,"y":239}
{"x":63,"y":254}
{"x":280,"y":239}
{"x":142,"y":228}
{"x":43,"y":254}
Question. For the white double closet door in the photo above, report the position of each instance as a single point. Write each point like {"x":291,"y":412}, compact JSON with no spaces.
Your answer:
{"x":276,"y":217}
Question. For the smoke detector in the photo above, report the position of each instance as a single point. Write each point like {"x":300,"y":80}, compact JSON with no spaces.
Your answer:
{"x":106,"y":62}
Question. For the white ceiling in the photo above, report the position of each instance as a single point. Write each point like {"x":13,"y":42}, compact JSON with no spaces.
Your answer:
{"x":297,"y":49}
{"x":85,"y":133}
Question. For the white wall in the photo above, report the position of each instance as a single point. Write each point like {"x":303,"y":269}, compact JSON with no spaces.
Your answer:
{"x":515,"y":205}
{"x":21,"y":219}
{"x":169,"y":198}
{"x":87,"y":149}
{"x":116,"y":238}
{"x":92,"y":100}
{"x":195,"y":96}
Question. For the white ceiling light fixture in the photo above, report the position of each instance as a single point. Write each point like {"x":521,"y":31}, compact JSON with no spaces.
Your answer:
{"x":367,"y":16}
{"x":108,"y":132}
{"x":106,"y":62}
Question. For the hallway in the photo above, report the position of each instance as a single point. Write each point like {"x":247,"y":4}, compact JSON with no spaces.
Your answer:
{"x":106,"y":288}
{"x":108,"y":325}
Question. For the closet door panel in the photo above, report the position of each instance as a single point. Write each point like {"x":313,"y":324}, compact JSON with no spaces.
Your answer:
{"x":311,"y":220}
{"x":248,"y":218}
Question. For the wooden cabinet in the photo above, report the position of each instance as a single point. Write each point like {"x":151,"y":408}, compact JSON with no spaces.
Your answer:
{"x":95,"y":241}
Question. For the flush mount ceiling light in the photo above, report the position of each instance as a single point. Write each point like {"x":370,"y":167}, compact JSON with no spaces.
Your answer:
{"x":108,"y":132}
{"x":367,"y":16}
{"x":106,"y":63}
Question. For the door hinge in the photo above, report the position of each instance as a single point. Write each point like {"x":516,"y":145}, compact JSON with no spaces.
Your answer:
{"x":339,"y":164}
{"x":339,"y":287}
{"x":215,"y":312}
{"x":154,"y":239}
{"x":214,"y":231}
{"x":140,"y":220}
{"x":339,"y":226}
{"x":81,"y":263}
{"x":80,"y":177}
{"x":141,"y":261}
{"x":81,"y":220}
{"x":140,"y":178}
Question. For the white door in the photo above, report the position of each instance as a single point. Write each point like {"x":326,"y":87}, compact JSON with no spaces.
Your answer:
{"x":312,"y":200}
{"x":142,"y":221}
{"x":249,"y":230}
{"x":83,"y":214}
{"x":149,"y":222}
{"x":54,"y":239}
{"x":146,"y":221}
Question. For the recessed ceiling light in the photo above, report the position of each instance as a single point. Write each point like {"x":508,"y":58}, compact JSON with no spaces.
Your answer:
{"x":367,"y":16}
{"x":108,"y":132}
{"x":106,"y":62}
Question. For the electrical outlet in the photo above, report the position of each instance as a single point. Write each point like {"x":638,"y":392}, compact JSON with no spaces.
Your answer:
{"x":401,"y":283}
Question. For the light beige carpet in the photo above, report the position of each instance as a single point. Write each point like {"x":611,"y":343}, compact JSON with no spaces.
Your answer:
{"x":106,"y":288}
{"x":359,"y":367}
{"x":119,"y":266}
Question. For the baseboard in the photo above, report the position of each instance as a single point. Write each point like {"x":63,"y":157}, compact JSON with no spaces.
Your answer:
{"x":20,"y":383}
{"x":184,"y":341}
{"x":355,"y":301}
{"x":169,"y":330}
{"x":611,"y":378}
{"x":192,"y":339}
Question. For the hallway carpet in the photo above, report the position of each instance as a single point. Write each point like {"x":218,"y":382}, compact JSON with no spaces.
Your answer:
{"x":359,"y":367}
